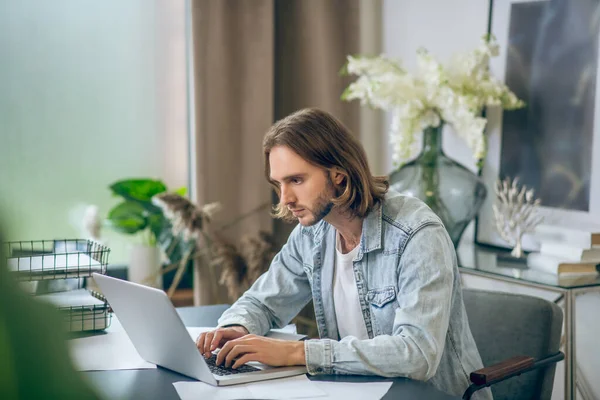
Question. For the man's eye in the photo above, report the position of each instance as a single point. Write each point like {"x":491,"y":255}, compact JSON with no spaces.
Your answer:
{"x":297,"y":181}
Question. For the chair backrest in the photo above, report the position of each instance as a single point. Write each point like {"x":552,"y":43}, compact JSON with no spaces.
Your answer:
{"x":506,"y":325}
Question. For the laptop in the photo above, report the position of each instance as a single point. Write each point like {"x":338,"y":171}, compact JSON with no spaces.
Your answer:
{"x":160,"y":337}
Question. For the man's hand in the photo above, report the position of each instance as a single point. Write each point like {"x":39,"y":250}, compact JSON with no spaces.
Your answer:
{"x":209,"y":341}
{"x":274,"y":352}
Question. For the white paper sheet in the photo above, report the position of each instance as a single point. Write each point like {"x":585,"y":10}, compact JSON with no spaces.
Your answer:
{"x":71,"y":298}
{"x":199,"y":391}
{"x":354,"y":391}
{"x":298,"y":387}
{"x":51,"y":262}
{"x":110,"y":351}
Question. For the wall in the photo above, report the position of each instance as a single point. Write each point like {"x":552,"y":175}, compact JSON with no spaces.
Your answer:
{"x":90,"y":92}
{"x":444,"y":28}
{"x":410,"y":24}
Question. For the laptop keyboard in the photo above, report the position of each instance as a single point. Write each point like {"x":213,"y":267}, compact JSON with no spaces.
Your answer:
{"x":222,"y":370}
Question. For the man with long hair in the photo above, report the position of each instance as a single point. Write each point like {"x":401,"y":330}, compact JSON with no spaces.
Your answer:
{"x":379,"y":266}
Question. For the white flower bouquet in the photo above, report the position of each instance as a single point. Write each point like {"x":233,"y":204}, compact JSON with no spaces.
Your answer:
{"x":455,"y":94}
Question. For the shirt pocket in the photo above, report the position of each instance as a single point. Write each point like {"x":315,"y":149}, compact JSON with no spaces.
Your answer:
{"x":383,"y":309}
{"x":380,"y":297}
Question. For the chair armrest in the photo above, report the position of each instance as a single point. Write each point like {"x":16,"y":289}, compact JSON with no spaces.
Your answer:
{"x":501,"y":370}
{"x":507,"y":369}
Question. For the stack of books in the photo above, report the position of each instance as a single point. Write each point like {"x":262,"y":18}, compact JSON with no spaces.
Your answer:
{"x":566,"y":251}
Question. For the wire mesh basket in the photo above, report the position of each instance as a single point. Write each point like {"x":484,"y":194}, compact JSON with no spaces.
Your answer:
{"x":81,"y":309}
{"x":62,"y":265}
{"x":55,"y":259}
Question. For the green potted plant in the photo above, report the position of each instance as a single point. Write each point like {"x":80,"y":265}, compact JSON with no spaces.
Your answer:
{"x":137,"y":215}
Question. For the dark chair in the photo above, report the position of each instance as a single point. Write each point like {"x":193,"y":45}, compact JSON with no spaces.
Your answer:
{"x":515,"y":334}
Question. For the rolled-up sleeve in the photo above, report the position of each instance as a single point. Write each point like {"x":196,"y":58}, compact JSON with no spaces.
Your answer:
{"x":318,"y":356}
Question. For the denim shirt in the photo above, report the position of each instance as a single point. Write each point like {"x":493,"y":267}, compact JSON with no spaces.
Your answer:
{"x":409,"y":291}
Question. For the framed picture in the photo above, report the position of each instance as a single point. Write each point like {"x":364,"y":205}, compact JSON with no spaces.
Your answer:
{"x":549,"y":58}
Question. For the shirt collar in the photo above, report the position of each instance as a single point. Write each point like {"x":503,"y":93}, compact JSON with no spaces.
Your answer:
{"x":371,"y":233}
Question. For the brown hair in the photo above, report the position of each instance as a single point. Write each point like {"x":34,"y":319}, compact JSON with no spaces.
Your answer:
{"x":322,"y":140}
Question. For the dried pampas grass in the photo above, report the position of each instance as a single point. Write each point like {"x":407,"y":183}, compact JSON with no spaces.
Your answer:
{"x":241,"y":266}
{"x":186,"y":218}
{"x":188,"y":222}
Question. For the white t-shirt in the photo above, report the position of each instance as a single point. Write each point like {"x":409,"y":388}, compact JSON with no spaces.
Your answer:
{"x":350,"y":320}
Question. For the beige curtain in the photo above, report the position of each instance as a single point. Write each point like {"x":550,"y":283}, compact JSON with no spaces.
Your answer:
{"x":233,"y":78}
{"x":256,"y":61}
{"x":313,"y":38}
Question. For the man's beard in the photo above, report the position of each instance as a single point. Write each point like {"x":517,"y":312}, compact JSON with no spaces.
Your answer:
{"x":323,"y":204}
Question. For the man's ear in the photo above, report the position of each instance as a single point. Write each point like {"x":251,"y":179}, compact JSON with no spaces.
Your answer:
{"x":337,"y":176}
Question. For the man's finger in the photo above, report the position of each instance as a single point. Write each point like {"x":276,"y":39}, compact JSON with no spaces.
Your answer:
{"x":224,"y":351}
{"x":200,"y":341}
{"x":245,"y":358}
{"x":207,"y":341}
{"x":236,"y":352}
{"x":216,"y":339}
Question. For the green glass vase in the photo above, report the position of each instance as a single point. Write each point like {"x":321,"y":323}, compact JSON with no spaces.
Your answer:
{"x":452,"y":191}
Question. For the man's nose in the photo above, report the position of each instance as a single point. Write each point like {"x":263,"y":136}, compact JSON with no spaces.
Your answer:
{"x":287,"y":195}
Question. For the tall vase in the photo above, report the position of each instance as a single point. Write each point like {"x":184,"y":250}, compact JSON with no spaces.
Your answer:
{"x":144,"y":266}
{"x":452,"y":191}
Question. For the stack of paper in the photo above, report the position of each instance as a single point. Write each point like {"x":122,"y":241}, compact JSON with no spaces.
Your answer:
{"x":83,"y":311}
{"x":54,"y":265}
{"x":71,"y":298}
